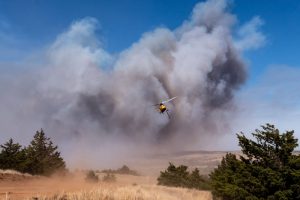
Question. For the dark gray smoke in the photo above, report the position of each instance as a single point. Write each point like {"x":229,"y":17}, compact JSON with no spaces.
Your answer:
{"x":89,"y":100}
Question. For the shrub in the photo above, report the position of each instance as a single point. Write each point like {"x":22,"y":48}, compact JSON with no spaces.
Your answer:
{"x":91,"y":177}
{"x":109,"y":178}
{"x":123,"y":170}
{"x":181,"y":177}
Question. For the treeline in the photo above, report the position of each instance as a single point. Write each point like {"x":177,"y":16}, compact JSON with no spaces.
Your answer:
{"x":268,"y":169}
{"x":123,"y":170}
{"x":40,"y":157}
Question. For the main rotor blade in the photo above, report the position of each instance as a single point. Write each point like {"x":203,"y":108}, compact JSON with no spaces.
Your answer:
{"x":169,"y":100}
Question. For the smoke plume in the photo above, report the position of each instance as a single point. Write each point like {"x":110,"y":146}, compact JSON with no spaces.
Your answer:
{"x":88,"y":100}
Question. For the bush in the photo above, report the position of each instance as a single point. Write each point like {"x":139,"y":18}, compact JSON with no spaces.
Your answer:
{"x":123,"y":170}
{"x":109,"y":178}
{"x":181,"y":177}
{"x":91,"y":177}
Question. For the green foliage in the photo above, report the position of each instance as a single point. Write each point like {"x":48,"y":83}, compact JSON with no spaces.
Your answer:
{"x":109,"y":178}
{"x":91,"y":177}
{"x":198,"y":181}
{"x":40,"y":157}
{"x":12,"y":156}
{"x":267,"y":170}
{"x":181,"y":177}
{"x":174,"y":176}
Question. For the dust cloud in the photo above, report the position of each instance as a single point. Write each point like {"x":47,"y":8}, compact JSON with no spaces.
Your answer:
{"x":98,"y":107}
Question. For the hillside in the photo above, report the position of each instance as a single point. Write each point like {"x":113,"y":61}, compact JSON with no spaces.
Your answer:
{"x":21,"y":186}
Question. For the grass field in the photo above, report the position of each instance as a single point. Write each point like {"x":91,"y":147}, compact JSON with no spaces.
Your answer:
{"x":126,"y":187}
{"x":133,"y":192}
{"x":16,"y":186}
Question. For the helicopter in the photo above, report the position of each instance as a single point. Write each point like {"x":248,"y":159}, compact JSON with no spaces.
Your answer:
{"x":163,"y":108}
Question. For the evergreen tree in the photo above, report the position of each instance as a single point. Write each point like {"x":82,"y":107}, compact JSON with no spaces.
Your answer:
{"x":181,"y":177}
{"x":194,"y":178}
{"x":174,"y":176}
{"x":267,"y":170}
{"x":197,"y":181}
{"x":43,"y":157}
{"x":12,"y":156}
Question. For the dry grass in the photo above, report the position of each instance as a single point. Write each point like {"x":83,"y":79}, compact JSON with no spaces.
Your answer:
{"x":23,"y":186}
{"x":13,"y":172}
{"x":138,"y":192}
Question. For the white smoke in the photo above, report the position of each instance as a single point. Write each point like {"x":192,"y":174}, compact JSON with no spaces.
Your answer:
{"x":88,"y":100}
{"x":249,"y":35}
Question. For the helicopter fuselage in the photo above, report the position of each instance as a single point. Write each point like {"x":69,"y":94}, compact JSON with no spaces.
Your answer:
{"x":162,"y":108}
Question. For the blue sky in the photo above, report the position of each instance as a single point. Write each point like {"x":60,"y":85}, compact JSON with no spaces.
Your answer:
{"x":33,"y":24}
{"x":270,"y":93}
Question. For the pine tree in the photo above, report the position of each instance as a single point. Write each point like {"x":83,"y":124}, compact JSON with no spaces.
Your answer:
{"x":194,"y":178}
{"x":43,"y":157}
{"x":181,"y":177}
{"x":174,"y":176}
{"x":267,"y":170}
{"x":12,"y":156}
{"x":198,"y":181}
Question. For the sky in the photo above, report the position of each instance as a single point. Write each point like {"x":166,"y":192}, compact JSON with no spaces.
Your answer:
{"x":270,"y":93}
{"x":34,"y":23}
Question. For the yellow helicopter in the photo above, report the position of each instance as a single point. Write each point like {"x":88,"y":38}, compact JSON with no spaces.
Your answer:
{"x":163,"y":108}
